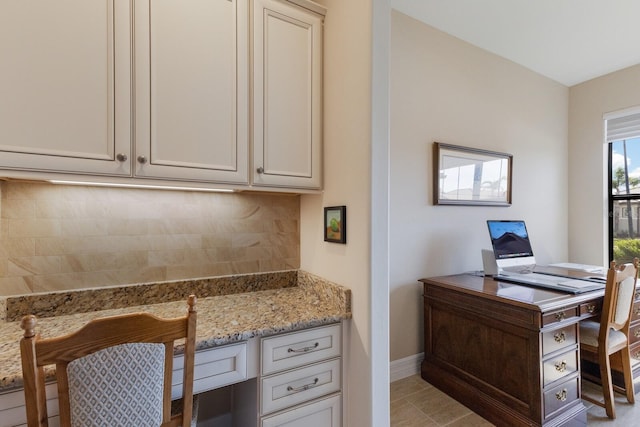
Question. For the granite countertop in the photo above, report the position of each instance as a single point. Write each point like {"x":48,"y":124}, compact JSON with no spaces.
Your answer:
{"x":222,"y":319}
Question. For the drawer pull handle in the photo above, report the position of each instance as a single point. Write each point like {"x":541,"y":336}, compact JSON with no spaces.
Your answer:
{"x":636,"y":355}
{"x":636,"y":333}
{"x":304,"y":387}
{"x":559,"y":337}
{"x":562,"y":395}
{"x":591,"y":308}
{"x":561,"y":366}
{"x":636,"y":311}
{"x":560,"y":316}
{"x":303,"y":349}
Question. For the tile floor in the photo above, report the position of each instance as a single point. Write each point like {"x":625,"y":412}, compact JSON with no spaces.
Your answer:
{"x":416,"y":403}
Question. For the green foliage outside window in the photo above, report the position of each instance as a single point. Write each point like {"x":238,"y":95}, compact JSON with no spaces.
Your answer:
{"x":624,"y":250}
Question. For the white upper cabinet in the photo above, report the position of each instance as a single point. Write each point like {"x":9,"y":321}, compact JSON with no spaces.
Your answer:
{"x":162,"y":91}
{"x":191,"y":96}
{"x":287,"y":95}
{"x":65,"y":86}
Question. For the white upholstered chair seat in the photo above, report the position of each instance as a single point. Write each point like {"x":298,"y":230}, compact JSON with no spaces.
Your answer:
{"x":590,"y":329}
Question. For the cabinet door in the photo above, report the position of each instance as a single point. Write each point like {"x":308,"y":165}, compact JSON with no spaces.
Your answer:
{"x":191,"y":79}
{"x":322,"y":413}
{"x":287,"y":87}
{"x":64,"y":86}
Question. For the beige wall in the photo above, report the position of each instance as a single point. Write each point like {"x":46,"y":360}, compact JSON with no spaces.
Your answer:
{"x":589,"y":101}
{"x":445,"y":90}
{"x":347,"y":147}
{"x":67,"y":237}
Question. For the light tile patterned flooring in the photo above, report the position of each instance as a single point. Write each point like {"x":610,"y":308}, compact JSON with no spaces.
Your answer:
{"x":416,"y":403}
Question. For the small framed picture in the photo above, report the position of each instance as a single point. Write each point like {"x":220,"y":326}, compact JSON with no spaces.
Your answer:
{"x":335,"y":224}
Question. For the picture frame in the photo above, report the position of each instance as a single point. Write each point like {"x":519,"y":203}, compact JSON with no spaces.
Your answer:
{"x":471,"y":176}
{"x":335,"y":224}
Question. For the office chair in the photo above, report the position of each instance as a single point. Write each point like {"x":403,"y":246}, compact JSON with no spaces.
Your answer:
{"x":114,"y":371}
{"x":607,"y":342}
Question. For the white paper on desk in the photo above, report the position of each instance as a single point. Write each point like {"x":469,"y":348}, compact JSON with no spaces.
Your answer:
{"x":579,"y":284}
{"x":581,"y":267}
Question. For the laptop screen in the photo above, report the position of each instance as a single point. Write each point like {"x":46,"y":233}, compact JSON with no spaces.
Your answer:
{"x":510,"y":241}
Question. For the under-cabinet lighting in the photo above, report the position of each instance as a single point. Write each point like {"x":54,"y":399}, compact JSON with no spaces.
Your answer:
{"x":143,"y":186}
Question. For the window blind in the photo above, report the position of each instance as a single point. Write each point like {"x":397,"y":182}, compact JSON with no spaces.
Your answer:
{"x":624,"y":127}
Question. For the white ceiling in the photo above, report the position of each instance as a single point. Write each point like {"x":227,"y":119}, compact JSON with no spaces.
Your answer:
{"x":569,"y":41}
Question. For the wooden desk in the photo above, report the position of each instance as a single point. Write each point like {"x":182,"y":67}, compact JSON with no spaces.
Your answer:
{"x":508,"y":352}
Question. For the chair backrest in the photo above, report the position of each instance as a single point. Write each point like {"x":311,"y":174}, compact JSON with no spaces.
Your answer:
{"x":618,"y":298}
{"x":128,"y":358}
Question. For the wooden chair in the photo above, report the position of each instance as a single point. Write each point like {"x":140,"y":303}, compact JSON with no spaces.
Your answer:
{"x":114,"y":371}
{"x":607,"y":342}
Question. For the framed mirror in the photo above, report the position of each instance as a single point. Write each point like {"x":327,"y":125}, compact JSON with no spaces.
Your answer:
{"x":470,"y":176}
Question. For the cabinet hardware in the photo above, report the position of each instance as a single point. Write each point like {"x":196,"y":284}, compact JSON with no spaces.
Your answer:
{"x":562,"y":395}
{"x":636,"y":355}
{"x":591,"y":308}
{"x":636,"y":311}
{"x":303,"y":349}
{"x":636,"y":333}
{"x":561,"y":366}
{"x":121,"y":157}
{"x":304,"y":387}
{"x":559,"y":337}
{"x":260,"y":170}
{"x":142,"y":160}
{"x":560,"y":316}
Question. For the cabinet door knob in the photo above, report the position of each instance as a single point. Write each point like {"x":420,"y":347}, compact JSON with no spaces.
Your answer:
{"x":121,"y":157}
{"x":142,"y":160}
{"x":260,"y":170}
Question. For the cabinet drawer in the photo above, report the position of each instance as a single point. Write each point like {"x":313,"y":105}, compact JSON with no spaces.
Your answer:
{"x":560,"y":366}
{"x":213,"y":368}
{"x":321,"y":413}
{"x":299,"y":385}
{"x":557,"y":398}
{"x":300,"y":348}
{"x":560,"y":315}
{"x":558,"y":339}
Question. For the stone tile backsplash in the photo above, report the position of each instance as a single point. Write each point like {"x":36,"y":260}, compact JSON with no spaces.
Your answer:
{"x":55,"y":237}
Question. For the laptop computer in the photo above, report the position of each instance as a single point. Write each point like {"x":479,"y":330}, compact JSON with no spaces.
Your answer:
{"x":516,"y":263}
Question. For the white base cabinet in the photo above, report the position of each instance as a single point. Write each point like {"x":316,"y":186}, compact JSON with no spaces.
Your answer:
{"x":301,"y":378}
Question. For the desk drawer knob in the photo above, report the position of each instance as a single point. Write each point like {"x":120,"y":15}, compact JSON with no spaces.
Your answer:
{"x":560,"y":316}
{"x":636,"y":311}
{"x":304,"y":387}
{"x":636,"y":355}
{"x":303,"y":349}
{"x":636,"y":333}
{"x":562,"y":395}
{"x":559,"y":337}
{"x":591,"y":308}
{"x":561,"y":366}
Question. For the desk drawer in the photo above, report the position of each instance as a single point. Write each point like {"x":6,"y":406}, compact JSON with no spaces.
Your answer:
{"x":299,"y":385}
{"x":213,"y":368}
{"x":557,"y":398}
{"x":634,"y":333}
{"x":560,"y":315}
{"x":302,"y":348}
{"x":559,"y":338}
{"x":591,"y":308}
{"x":635,"y":311}
{"x":560,"y":366}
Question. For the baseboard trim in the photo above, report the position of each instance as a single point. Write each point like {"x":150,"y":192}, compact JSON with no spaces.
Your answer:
{"x":405,"y":367}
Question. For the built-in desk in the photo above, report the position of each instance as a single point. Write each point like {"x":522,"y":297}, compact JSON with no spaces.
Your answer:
{"x":508,"y":352}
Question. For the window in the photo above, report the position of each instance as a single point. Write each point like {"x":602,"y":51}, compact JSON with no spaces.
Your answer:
{"x":623,"y":137}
